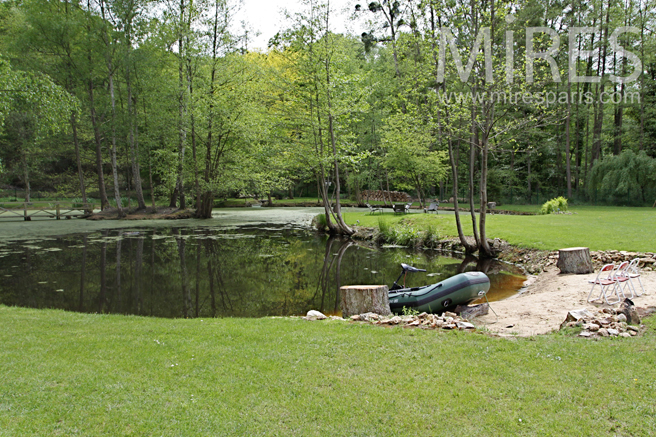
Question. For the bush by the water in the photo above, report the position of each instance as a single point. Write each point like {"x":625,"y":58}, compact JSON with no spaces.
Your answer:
{"x":559,"y":204}
{"x":405,"y":235}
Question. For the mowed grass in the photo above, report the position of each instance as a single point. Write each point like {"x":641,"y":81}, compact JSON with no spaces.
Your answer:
{"x":596,"y":227}
{"x":77,"y":374}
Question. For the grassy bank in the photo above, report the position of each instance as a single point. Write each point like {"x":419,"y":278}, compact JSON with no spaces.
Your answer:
{"x":66,"y":374}
{"x":596,"y":227}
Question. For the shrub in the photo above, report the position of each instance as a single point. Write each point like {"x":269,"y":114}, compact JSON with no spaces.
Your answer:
{"x":320,"y":222}
{"x":558,"y":204}
{"x":384,"y":230}
{"x":78,"y":203}
{"x":430,"y":236}
{"x":124,"y":202}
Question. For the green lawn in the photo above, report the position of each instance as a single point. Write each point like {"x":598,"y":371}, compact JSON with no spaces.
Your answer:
{"x":77,"y":374}
{"x":596,"y":227}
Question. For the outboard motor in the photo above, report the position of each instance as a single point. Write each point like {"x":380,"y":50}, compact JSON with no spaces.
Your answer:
{"x":404,"y":271}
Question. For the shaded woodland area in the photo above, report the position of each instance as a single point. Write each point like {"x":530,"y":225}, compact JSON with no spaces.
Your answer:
{"x":162,"y":100}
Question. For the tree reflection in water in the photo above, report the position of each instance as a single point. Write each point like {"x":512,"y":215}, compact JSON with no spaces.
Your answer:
{"x":205,"y":272}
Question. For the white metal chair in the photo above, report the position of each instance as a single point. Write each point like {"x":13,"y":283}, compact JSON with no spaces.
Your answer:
{"x":605,"y":283}
{"x":633,"y":272}
{"x":621,"y":276}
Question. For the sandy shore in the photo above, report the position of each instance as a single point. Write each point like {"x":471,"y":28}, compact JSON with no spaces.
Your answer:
{"x":543,"y":306}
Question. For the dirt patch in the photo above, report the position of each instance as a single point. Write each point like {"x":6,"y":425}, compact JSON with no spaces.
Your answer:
{"x":544,"y":304}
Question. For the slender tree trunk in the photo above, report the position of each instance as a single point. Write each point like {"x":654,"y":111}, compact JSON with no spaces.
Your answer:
{"x":132,"y":115}
{"x":182,"y":110}
{"x":472,"y":167}
{"x":26,"y":172}
{"x":104,"y":201}
{"x":343,"y":227}
{"x":484,"y":248}
{"x":599,"y":118}
{"x":454,"y":174}
{"x":80,"y":173}
{"x":110,"y":70}
{"x":528,"y":177}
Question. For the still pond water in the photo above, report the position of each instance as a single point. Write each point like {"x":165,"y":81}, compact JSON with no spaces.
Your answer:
{"x":213,"y":272}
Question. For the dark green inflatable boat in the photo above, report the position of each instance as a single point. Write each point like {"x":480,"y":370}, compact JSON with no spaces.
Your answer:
{"x":457,"y":290}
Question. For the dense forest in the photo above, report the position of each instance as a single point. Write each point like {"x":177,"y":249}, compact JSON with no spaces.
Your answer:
{"x":506,"y":101}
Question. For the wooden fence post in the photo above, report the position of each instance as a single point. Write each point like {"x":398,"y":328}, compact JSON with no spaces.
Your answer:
{"x":58,"y":212}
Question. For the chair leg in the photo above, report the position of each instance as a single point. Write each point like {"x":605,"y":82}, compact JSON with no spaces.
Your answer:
{"x":590,"y":294}
{"x":643,"y":288}
{"x":615,"y":288}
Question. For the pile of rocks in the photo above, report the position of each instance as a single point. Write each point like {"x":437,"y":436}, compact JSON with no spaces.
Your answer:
{"x":601,"y":257}
{"x":448,"y":320}
{"x":606,"y":322}
{"x":394,"y":196}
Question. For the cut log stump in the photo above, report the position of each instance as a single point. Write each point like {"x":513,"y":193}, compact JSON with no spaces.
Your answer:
{"x":575,"y":260}
{"x":360,"y":299}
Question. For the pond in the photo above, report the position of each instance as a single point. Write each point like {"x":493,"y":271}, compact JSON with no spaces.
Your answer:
{"x":247,"y":271}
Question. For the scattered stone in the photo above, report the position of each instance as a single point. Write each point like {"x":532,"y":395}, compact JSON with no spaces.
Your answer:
{"x":603,"y":332}
{"x":355,"y":317}
{"x":621,"y":317}
{"x":369,"y":317}
{"x":470,"y":312}
{"x":465,"y":325}
{"x":314,"y":315}
{"x":449,"y":314}
{"x":395,"y":320}
{"x":625,"y":335}
{"x":414,"y":323}
{"x":633,"y":333}
{"x":449,"y":326}
{"x":576,"y":315}
{"x":593,"y":327}
{"x":613,"y":332}
{"x":336,"y":318}
{"x":585,"y":334}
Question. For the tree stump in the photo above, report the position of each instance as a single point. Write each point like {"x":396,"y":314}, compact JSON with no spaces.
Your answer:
{"x":575,"y":260}
{"x":359,"y":299}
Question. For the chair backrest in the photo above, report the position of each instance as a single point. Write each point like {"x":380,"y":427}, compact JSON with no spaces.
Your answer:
{"x":633,"y":266}
{"x":622,"y":269}
{"x":609,"y":268}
